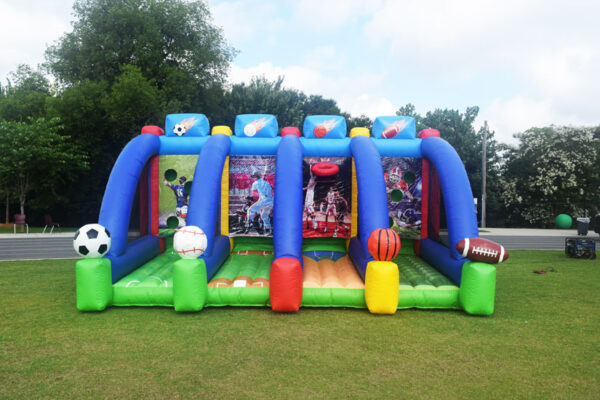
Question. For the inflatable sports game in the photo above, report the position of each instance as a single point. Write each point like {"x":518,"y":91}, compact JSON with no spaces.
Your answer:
{"x":285,"y":219}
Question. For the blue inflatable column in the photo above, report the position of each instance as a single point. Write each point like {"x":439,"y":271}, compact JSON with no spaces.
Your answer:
{"x":205,"y":197}
{"x":117,"y":203}
{"x":458,"y":197}
{"x":372,"y":198}
{"x":285,"y":282}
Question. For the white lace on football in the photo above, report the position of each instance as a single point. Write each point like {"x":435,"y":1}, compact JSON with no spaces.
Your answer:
{"x":485,"y":251}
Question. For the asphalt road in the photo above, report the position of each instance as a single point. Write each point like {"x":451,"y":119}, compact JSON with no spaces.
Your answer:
{"x":37,"y":246}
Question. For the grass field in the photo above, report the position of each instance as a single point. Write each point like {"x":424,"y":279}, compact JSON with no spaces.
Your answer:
{"x":542,"y":342}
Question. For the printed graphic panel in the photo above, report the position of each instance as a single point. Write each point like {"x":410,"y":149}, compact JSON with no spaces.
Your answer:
{"x":176,"y":173}
{"x":327,"y":185}
{"x":403,"y":186}
{"x":251,"y":183}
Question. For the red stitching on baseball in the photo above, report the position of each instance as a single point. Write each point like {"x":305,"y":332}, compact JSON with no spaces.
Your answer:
{"x":192,"y":232}
{"x":187,"y":251}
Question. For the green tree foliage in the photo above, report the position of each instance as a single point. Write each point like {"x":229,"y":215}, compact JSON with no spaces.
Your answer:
{"x":552,"y":170}
{"x":25,"y":95}
{"x":457,"y":128}
{"x":158,"y":36}
{"x":362,"y":121}
{"x":262,"y":96}
{"x":126,"y":64}
{"x":132,"y":101}
{"x":36,"y":160}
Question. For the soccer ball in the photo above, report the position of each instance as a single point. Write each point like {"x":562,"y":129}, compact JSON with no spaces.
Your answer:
{"x":92,"y":241}
{"x":250,"y":130}
{"x":189,"y":242}
{"x":179,"y":129}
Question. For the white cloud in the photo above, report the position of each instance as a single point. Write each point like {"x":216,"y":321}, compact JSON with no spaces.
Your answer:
{"x":325,"y":58}
{"x":354,"y":94}
{"x":319,"y":15}
{"x":27,"y":28}
{"x":245,"y":21}
{"x":548,"y":51}
{"x":507,"y":117}
{"x":369,"y":105}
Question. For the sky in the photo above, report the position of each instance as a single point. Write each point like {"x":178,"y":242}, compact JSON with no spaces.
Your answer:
{"x":524,"y":63}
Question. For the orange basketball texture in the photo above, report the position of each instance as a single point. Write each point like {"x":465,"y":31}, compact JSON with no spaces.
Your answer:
{"x":384,"y":244}
{"x":320,"y":131}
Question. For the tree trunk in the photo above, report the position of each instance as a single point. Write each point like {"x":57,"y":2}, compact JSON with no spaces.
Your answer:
{"x":22,"y":202}
{"x":7,"y":207}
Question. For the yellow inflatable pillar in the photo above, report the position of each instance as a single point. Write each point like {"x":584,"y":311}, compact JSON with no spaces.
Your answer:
{"x":382,"y":285}
{"x":224,"y":223}
{"x":223,"y":129}
{"x":359,"y":132}
{"x":354,"y":202}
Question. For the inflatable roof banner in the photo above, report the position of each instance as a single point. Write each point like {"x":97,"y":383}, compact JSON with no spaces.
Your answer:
{"x":325,"y":126}
{"x":189,"y":125}
{"x":256,"y":125}
{"x":393,"y":127}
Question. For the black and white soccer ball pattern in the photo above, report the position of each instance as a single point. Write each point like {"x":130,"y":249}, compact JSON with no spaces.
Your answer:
{"x":92,"y":241}
{"x":179,"y":129}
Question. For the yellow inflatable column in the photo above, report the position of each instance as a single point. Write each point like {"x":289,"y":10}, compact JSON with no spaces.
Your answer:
{"x":224,"y":130}
{"x":382,"y":285}
{"x":354,"y":201}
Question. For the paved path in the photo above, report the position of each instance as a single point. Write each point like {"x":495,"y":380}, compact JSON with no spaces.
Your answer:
{"x":37,"y":246}
{"x":530,"y":239}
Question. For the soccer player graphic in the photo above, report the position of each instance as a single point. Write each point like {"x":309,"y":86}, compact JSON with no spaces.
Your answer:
{"x":309,"y":200}
{"x":263,"y":206}
{"x":180,"y":195}
{"x":332,"y":197}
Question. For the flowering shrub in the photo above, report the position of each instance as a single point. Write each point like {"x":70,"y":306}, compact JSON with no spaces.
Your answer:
{"x":553,"y":170}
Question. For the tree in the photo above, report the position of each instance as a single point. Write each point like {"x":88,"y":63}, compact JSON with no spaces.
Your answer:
{"x":262,"y":96}
{"x":128,"y":63}
{"x":34,"y":157}
{"x":552,"y":170}
{"x":25,"y":95}
{"x":361,"y":121}
{"x":158,"y":36}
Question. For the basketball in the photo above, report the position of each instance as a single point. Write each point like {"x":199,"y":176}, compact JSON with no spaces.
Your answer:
{"x":320,"y":131}
{"x":384,"y":244}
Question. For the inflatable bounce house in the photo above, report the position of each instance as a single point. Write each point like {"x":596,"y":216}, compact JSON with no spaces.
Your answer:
{"x":283,"y":219}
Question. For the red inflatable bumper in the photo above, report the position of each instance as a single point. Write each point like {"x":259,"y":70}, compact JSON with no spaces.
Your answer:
{"x":285,"y":285}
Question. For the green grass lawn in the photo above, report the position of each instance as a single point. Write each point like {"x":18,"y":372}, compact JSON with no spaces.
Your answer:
{"x":542,"y":342}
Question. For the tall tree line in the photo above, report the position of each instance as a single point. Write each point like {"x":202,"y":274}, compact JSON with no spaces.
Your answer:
{"x":128,"y":63}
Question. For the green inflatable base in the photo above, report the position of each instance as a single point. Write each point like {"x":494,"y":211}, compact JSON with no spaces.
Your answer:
{"x":421,"y":285}
{"x":478,"y":288}
{"x":93,"y":284}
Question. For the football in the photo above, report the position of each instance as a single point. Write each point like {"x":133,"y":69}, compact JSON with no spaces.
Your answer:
{"x":92,"y":241}
{"x":179,"y":129}
{"x":189,"y":242}
{"x":482,"y":250}
{"x":390,"y":132}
